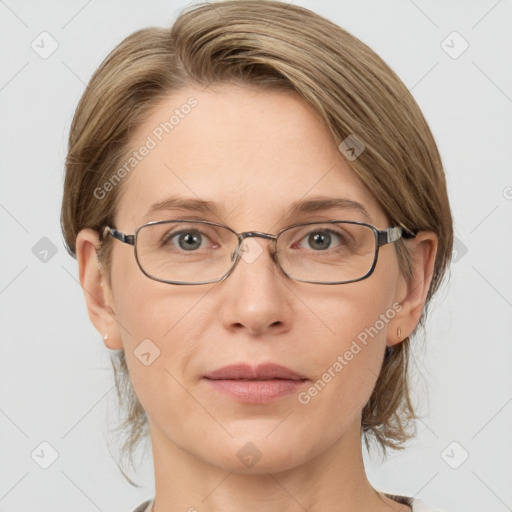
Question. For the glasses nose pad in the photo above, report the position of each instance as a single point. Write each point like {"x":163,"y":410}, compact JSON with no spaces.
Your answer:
{"x":274,"y":251}
{"x":240,"y":249}
{"x":237,"y":252}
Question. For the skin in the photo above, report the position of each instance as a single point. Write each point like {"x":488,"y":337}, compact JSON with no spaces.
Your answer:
{"x":253,"y":152}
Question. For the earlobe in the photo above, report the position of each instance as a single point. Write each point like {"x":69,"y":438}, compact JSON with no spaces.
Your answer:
{"x":97,"y":292}
{"x":412,"y":293}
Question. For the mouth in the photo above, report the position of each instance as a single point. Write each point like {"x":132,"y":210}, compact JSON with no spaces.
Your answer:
{"x":255,"y":385}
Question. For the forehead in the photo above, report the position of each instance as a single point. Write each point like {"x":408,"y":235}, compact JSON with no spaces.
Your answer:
{"x":250,"y":151}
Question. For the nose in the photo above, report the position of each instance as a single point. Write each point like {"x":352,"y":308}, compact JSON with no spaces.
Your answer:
{"x":256,"y":296}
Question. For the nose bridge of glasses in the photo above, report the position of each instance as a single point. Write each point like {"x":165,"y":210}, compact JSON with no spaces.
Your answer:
{"x":252,"y":234}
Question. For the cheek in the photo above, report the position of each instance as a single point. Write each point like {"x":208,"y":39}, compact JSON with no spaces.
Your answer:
{"x":160,"y":325}
{"x":350,"y":311}
{"x":158,"y":338}
{"x":144,"y":307}
{"x":349,"y":352}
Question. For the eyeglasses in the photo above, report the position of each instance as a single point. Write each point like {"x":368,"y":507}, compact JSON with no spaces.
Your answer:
{"x":202,"y":252}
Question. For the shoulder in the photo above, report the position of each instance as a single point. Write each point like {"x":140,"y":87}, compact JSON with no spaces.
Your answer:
{"x":144,"y":507}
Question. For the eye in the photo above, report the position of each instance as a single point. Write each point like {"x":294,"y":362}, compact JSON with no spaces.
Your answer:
{"x":189,"y":240}
{"x":321,"y":240}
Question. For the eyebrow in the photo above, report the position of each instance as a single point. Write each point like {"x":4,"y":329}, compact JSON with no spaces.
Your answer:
{"x":318,"y":205}
{"x":296,"y":208}
{"x":182,"y":203}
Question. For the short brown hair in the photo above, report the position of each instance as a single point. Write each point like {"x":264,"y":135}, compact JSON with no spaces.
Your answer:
{"x":268,"y":44}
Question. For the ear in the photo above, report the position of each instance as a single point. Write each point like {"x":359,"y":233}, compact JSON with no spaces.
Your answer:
{"x":411,"y":293}
{"x":96,"y":288}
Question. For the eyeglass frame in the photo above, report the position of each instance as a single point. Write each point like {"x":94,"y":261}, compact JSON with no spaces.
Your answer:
{"x":382,"y":237}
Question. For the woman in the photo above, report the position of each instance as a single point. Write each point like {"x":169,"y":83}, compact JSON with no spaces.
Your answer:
{"x":260,"y":218}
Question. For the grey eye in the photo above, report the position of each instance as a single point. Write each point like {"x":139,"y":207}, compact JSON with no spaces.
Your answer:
{"x":319,"y":240}
{"x":189,"y":241}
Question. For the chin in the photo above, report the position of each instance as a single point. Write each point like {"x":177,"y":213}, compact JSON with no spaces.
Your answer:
{"x":256,"y":455}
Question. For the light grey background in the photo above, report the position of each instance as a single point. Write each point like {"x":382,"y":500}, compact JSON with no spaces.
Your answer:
{"x":56,"y":385}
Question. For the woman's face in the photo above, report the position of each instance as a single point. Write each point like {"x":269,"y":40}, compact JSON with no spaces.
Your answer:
{"x":252,"y":154}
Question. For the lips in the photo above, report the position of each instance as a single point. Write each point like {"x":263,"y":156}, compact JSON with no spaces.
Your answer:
{"x":267,"y":371}
{"x":255,"y":385}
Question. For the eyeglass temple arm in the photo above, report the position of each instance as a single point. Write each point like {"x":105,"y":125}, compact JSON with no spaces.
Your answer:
{"x":126,"y":239}
{"x":390,"y":235}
